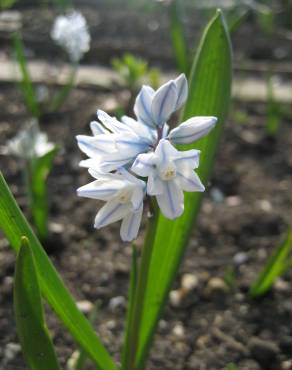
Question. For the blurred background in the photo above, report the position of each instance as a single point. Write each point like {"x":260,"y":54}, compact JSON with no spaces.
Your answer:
{"x":210,"y":322}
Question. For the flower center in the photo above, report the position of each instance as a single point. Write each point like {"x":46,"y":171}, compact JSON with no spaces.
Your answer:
{"x":168,"y":172}
{"x":124,"y":196}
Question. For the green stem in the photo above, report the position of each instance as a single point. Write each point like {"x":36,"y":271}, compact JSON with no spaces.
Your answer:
{"x":132,"y":337}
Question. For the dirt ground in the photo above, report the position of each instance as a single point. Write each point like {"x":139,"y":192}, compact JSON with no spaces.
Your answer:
{"x":245,"y":214}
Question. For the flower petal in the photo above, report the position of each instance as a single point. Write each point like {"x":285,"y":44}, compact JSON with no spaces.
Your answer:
{"x":154,"y":184}
{"x":142,"y":107}
{"x":90,"y":162}
{"x":111,"y":212}
{"x":192,"y":130}
{"x":143,"y":164}
{"x":94,"y":146}
{"x":171,"y":201}
{"x":165,"y":151}
{"x":130,"y":225}
{"x":137,"y":198}
{"x":164,"y":103}
{"x":102,"y":190}
{"x":189,"y":181}
{"x":116,"y":160}
{"x":145,"y":132}
{"x":182,"y":90}
{"x":187,"y":159}
{"x":111,"y":123}
{"x":97,"y":128}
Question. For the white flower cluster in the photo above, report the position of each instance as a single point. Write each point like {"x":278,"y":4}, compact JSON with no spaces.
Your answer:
{"x":30,"y":142}
{"x":71,"y":33}
{"x":124,"y":154}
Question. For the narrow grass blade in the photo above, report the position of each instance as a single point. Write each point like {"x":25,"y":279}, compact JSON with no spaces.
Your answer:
{"x":35,"y":341}
{"x":274,"y":112}
{"x":275,"y":267}
{"x":131,"y":299}
{"x":26,"y":85}
{"x":60,"y":98}
{"x":178,"y":37}
{"x":14,"y":225}
{"x":40,"y":169}
{"x":209,"y":94}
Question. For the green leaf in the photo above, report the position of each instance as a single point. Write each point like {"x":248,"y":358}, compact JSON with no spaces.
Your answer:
{"x":274,"y":111}
{"x":14,"y":225}
{"x":6,"y":4}
{"x":35,"y":341}
{"x":61,"y":96}
{"x":275,"y":267}
{"x":39,"y":170}
{"x":178,"y":37}
{"x":26,"y":85}
{"x":209,"y":94}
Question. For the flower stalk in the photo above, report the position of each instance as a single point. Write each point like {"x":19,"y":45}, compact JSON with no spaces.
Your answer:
{"x":132,"y":334}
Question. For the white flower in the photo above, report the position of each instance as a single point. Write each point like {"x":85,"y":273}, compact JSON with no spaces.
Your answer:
{"x":115,"y":143}
{"x":30,"y":143}
{"x":71,"y":33}
{"x":144,"y":147}
{"x":123,"y":194}
{"x":191,"y":130}
{"x":154,"y":108}
{"x":169,"y":172}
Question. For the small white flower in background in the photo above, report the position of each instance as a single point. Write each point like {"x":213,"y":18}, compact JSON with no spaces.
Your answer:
{"x":123,"y":194}
{"x":71,"y":33}
{"x":120,"y":150}
{"x":29,"y":143}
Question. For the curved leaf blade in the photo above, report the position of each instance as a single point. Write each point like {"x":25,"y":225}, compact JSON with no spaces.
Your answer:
{"x":14,"y":225}
{"x":209,"y":94}
{"x":275,"y":267}
{"x":35,"y":341}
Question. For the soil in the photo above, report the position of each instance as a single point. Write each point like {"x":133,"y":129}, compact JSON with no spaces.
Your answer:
{"x":245,"y":214}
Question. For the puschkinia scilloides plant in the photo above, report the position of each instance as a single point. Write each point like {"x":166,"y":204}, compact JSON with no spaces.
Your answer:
{"x":145,"y":163}
{"x":37,"y":154}
{"x":131,"y":158}
{"x":70,"y":32}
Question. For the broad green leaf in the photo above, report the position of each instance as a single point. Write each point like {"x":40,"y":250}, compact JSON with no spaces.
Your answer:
{"x":35,"y":341}
{"x":26,"y":85}
{"x":14,"y":225}
{"x":209,"y":94}
{"x":178,"y":37}
{"x":275,"y":267}
{"x":39,"y":170}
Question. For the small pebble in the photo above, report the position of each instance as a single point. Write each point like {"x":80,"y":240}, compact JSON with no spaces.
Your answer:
{"x":189,"y":282}
{"x":217,"y":195}
{"x":240,"y":258}
{"x":117,"y":303}
{"x":286,"y":365}
{"x":85,"y":306}
{"x":56,"y":227}
{"x":11,"y":350}
{"x":233,"y":201}
{"x":178,"y":330}
{"x":263,"y":351}
{"x":175,"y":298}
{"x":265,"y":205}
{"x":216,"y":285}
{"x":282,"y":286}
